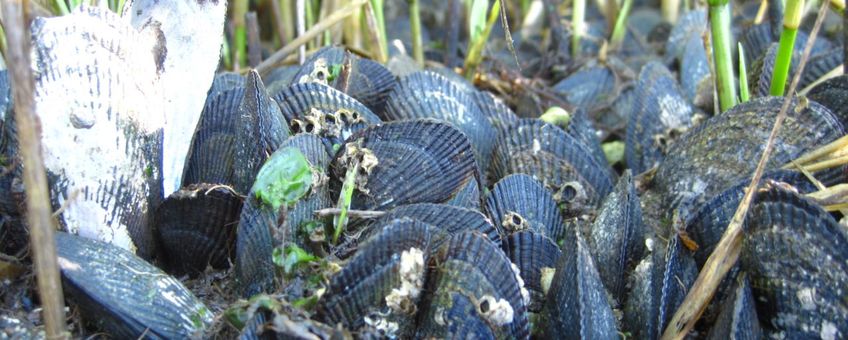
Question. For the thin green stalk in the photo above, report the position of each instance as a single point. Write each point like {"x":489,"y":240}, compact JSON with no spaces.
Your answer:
{"x":722,"y":58}
{"x":577,"y":17}
{"x":120,"y":8}
{"x":225,"y":54}
{"x":525,"y":6}
{"x":475,"y":51}
{"x":287,"y":19}
{"x":621,"y":23}
{"x":377,"y":5}
{"x":309,"y":20}
{"x":62,"y":7}
{"x":3,"y":45}
{"x":340,"y":221}
{"x":743,"y":75}
{"x":415,"y":22}
{"x":791,"y":21}
{"x":670,"y":9}
{"x":239,"y":49}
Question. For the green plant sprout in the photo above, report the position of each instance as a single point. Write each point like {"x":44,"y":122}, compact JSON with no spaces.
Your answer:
{"x":620,"y":27}
{"x":478,"y":37}
{"x":721,"y":35}
{"x":791,"y":22}
{"x":744,"y":96}
{"x":577,"y":25}
{"x":415,"y":24}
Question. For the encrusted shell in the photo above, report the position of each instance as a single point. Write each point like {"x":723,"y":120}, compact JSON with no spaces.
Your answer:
{"x":699,"y":165}
{"x":797,"y":257}
{"x":383,"y":281}
{"x":519,"y":202}
{"x":419,"y":161}
{"x":474,"y":293}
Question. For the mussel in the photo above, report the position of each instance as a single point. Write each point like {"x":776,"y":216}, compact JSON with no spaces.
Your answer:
{"x":124,"y":295}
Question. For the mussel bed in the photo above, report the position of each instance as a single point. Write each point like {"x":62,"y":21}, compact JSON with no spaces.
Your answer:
{"x":347,"y":198}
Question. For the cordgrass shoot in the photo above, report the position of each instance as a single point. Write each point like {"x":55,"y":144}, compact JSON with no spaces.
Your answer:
{"x":721,"y":35}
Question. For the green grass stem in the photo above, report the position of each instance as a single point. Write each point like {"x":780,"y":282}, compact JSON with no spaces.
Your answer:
{"x":577,"y":17}
{"x":344,"y":200}
{"x":309,"y":20}
{"x":377,"y":6}
{"x":239,"y":48}
{"x":744,"y":95}
{"x":61,"y":7}
{"x":415,"y":23}
{"x":475,"y":51}
{"x":722,"y":56}
{"x":669,"y":10}
{"x":791,"y":21}
{"x":620,"y":28}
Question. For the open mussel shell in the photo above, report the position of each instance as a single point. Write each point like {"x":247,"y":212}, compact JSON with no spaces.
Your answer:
{"x":212,"y":156}
{"x":576,"y":306}
{"x":417,"y":161}
{"x":429,"y":95}
{"x":698,"y":164}
{"x":382,"y":283}
{"x":707,"y":224}
{"x":590,"y":88}
{"x":475,"y":292}
{"x":112,"y":94}
{"x":534,"y":254}
{"x":796,"y":256}
{"x":658,"y":286}
{"x":494,"y":109}
{"x":519,"y":202}
{"x":124,"y":295}
{"x":738,"y":317}
{"x":660,"y":112}
{"x":833,"y":94}
{"x":260,"y":130}
{"x":447,"y":219}
{"x":558,"y":159}
{"x":617,"y":238}
{"x":196,"y":226}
